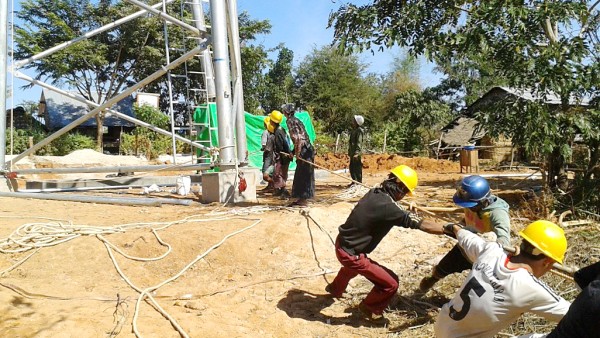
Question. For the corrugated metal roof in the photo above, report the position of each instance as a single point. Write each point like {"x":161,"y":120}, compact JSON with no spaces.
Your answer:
{"x":549,"y":97}
{"x":63,"y":110}
{"x":462,"y":131}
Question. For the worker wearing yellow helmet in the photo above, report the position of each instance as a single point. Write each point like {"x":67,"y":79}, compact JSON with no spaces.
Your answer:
{"x":276,"y":116}
{"x":371,"y":219}
{"x":500,"y":286}
{"x":266,"y":142}
{"x":282,"y":155}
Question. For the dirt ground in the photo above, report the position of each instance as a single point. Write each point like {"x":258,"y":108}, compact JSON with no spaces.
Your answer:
{"x":72,"y":269}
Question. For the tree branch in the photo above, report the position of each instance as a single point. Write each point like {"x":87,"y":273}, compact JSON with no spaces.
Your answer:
{"x":586,"y":25}
{"x":549,"y":30}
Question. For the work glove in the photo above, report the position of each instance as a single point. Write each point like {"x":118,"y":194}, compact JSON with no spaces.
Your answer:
{"x":448,"y":229}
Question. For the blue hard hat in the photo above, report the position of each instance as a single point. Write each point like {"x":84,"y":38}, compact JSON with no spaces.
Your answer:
{"x":472,"y":190}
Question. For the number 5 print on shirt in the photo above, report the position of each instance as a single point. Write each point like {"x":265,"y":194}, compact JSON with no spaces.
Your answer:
{"x":474,"y":285}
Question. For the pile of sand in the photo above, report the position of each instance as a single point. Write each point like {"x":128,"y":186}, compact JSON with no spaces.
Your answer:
{"x":81,"y":158}
{"x":373,"y":163}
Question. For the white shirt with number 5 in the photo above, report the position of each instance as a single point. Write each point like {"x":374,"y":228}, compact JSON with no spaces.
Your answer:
{"x":493,"y":296}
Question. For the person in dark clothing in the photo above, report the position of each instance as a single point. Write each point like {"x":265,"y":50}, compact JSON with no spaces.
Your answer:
{"x":282,"y":155}
{"x":371,"y":219}
{"x":355,"y":148}
{"x":582,"y":319}
{"x":267,"y":143}
{"x":303,"y":187}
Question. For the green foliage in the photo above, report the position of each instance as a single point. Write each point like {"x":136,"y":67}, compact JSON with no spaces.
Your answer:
{"x":547,"y":47}
{"x":324,"y":142}
{"x":254,"y":61}
{"x":412,"y":121}
{"x":279,"y":81}
{"x":150,"y":115}
{"x":70,"y":142}
{"x":98,"y":67}
{"x":331,"y":85}
{"x":145,"y":141}
{"x":63,"y":145}
{"x":20,"y":141}
{"x":397,"y":138}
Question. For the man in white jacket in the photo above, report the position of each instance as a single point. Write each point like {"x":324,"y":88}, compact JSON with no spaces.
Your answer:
{"x":501,"y":287}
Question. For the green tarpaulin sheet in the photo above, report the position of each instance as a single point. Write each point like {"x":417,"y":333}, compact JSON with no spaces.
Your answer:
{"x":254,"y":130}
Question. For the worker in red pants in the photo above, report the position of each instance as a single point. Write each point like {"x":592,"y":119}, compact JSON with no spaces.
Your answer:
{"x":371,"y":219}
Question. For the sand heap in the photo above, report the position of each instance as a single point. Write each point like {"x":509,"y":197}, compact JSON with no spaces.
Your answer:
{"x":373,"y":163}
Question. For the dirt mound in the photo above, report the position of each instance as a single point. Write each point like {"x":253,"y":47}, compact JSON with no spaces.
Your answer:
{"x":373,"y":163}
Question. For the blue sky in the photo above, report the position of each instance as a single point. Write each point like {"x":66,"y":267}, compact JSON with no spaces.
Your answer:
{"x":302,"y":25}
{"x":299,"y":24}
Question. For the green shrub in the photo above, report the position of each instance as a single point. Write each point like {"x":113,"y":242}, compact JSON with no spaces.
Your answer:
{"x":324,"y":142}
{"x":70,"y":142}
{"x":147,"y":142}
{"x":20,"y":141}
{"x":61,"y":146}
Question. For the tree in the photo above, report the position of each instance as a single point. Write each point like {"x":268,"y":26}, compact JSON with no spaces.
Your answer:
{"x":547,"y":46}
{"x":254,"y":60}
{"x":331,"y":85}
{"x":97,"y":68}
{"x":280,"y":80}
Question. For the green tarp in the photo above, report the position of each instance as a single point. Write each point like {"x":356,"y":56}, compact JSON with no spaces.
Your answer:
{"x":254,"y":130}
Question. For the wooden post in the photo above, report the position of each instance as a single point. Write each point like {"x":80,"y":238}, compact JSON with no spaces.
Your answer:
{"x":512,"y":157}
{"x":337,"y":142}
{"x":384,"y":140}
{"x":31,"y":144}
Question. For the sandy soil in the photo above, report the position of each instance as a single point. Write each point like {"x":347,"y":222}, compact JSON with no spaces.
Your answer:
{"x":215,"y":271}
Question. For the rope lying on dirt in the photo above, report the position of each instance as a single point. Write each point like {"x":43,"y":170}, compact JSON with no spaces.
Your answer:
{"x":145,"y":293}
{"x":352,"y":192}
{"x":33,"y":295}
{"x":38,"y":235}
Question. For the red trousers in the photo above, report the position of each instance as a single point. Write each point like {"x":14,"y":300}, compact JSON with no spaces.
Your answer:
{"x":385,"y":280}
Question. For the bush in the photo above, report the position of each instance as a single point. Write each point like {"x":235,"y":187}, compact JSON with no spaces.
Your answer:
{"x":62,"y":146}
{"x":68,"y":143}
{"x":325,"y":142}
{"x":147,"y":142}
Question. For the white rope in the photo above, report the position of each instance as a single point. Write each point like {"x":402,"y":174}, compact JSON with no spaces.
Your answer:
{"x":146,"y":292}
{"x":353,"y":192}
{"x":245,"y":211}
{"x":18,"y":263}
{"x":38,"y":235}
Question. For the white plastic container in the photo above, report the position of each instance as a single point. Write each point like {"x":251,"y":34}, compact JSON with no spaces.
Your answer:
{"x":183,"y":185}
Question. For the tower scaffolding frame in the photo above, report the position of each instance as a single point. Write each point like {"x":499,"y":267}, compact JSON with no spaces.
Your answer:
{"x":217,"y":38}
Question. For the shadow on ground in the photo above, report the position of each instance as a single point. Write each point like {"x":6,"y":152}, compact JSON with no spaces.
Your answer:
{"x":308,"y":306}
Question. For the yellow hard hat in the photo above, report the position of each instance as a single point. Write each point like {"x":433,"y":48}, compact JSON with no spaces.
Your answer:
{"x":547,"y":237}
{"x":276,"y":116}
{"x":270,"y":127}
{"x":407,"y":176}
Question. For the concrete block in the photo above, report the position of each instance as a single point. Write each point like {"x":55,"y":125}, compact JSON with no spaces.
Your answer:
{"x":223,"y":186}
{"x":8,"y":185}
